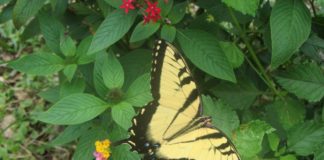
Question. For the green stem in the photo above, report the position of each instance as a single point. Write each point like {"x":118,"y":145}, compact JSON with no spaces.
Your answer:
{"x":255,"y":59}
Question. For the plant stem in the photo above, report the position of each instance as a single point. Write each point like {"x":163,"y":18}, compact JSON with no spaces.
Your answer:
{"x":263,"y":74}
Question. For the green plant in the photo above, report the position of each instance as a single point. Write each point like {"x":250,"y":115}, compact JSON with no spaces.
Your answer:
{"x":257,"y":63}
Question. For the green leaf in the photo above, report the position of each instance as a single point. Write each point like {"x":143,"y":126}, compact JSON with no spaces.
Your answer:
{"x":240,"y":96}
{"x":73,"y":109}
{"x":59,"y":6}
{"x":139,"y":93}
{"x":99,"y":84}
{"x":52,"y":31}
{"x":290,"y":23}
{"x":114,"y":3}
{"x":305,"y":138}
{"x":67,"y":46}
{"x":122,"y":113}
{"x":223,"y":117}
{"x":274,"y":141}
{"x":38,"y":64}
{"x":112,"y":72}
{"x":250,"y":136}
{"x":143,"y":31}
{"x":319,"y":154}
{"x":117,"y":133}
{"x":6,"y":14}
{"x":285,"y":114}
{"x":86,"y":144}
{"x":68,"y":88}
{"x":205,"y":52}
{"x":246,"y":7}
{"x":52,"y":94}
{"x":24,"y":10}
{"x":69,"y":71}
{"x":133,"y":70}
{"x":123,"y":152}
{"x":31,"y":30}
{"x":70,"y":134}
{"x":178,"y":12}
{"x":233,"y":54}
{"x":305,"y":81}
{"x":2,"y":2}
{"x":168,"y":33}
{"x":314,"y":48}
{"x":82,"y":49}
{"x":113,"y":28}
{"x":165,"y":6}
{"x":288,"y":157}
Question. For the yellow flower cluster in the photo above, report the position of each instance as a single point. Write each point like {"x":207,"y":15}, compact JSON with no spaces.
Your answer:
{"x":102,"y":147}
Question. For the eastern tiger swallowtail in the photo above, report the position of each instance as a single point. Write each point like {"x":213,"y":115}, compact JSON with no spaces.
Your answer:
{"x":171,"y":126}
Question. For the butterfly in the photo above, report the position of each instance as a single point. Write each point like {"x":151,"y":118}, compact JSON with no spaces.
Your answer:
{"x":172,"y":125}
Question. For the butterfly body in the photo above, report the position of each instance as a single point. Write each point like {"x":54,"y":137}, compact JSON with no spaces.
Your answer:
{"x":172,"y":125}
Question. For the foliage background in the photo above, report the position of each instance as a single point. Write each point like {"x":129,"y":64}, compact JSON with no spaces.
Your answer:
{"x":258,"y":64}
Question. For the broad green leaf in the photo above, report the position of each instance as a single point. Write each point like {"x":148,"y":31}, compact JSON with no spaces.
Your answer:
{"x":319,"y":154}
{"x":123,"y":152}
{"x":290,"y":23}
{"x":122,"y":113}
{"x":139,"y":93}
{"x":165,"y":5}
{"x":73,"y":109}
{"x":112,"y":72}
{"x":69,"y":71}
{"x":52,"y":94}
{"x":240,"y":96}
{"x":59,"y":6}
{"x":233,"y":54}
{"x":117,"y":133}
{"x":24,"y":10}
{"x":288,"y":157}
{"x":70,"y":134}
{"x":304,"y":80}
{"x":67,"y":46}
{"x":99,"y":84}
{"x":305,"y":138}
{"x":274,"y":141}
{"x":223,"y":117}
{"x":52,"y":31}
{"x":38,"y":64}
{"x":143,"y":31}
{"x":249,"y":137}
{"x":285,"y":114}
{"x":68,"y":88}
{"x":205,"y":52}
{"x":246,"y":7}
{"x":178,"y":12}
{"x":133,"y":70}
{"x":6,"y":14}
{"x":31,"y":30}
{"x":114,"y":3}
{"x":82,"y":49}
{"x":168,"y":33}
{"x":86,"y":144}
{"x":314,"y":48}
{"x":113,"y":28}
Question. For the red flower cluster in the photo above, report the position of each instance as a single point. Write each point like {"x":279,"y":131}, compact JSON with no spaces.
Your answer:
{"x":152,"y":12}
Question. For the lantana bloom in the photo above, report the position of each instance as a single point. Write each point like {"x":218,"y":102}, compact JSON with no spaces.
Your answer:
{"x":102,"y":150}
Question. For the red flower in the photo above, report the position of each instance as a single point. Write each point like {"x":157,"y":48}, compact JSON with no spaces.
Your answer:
{"x":127,"y":5}
{"x":152,"y":9}
{"x":153,"y":12}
